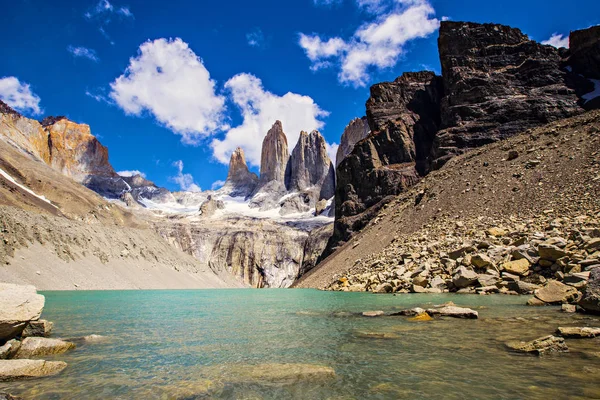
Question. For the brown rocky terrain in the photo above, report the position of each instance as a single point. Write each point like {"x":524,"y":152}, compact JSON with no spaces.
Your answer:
{"x":520,"y":215}
{"x":495,"y":83}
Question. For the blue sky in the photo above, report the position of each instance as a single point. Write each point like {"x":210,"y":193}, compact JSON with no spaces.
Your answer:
{"x":171,"y":88}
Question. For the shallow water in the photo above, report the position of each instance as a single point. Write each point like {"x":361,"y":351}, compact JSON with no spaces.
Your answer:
{"x":190,"y":344}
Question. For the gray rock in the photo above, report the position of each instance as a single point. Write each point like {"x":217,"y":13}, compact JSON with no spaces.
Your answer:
{"x":310,"y":166}
{"x":550,"y":252}
{"x":40,"y":328}
{"x":357,"y":130}
{"x":578,"y":332}
{"x":541,"y":346}
{"x":210,"y":207}
{"x":9,"y":349}
{"x":23,"y":369}
{"x":37,"y":346}
{"x":275,"y":155}
{"x":240,"y":181}
{"x":523,"y":287}
{"x":464,"y":277}
{"x":556,"y":292}
{"x":454,"y":312}
{"x":373,"y":313}
{"x":18,"y":305}
{"x":590,"y":301}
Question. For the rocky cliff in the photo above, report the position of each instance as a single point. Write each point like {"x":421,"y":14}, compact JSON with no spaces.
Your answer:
{"x":584,"y":52}
{"x":274,"y":156}
{"x":495,"y":83}
{"x":240,"y":181}
{"x":357,"y":130}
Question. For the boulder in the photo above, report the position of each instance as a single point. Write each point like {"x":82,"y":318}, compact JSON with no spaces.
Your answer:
{"x":41,"y":328}
{"x":409,"y":313}
{"x":37,"y":346}
{"x":556,"y":292}
{"x":550,"y":252}
{"x":568,"y":308}
{"x":590,"y":300}
{"x":481,"y":260}
{"x":18,"y":306}
{"x":541,"y":346}
{"x":578,"y":332}
{"x":464,"y":277}
{"x":522,"y":287}
{"x":23,"y":369}
{"x":455,"y":312}
{"x":9,"y":349}
{"x":519,"y":267}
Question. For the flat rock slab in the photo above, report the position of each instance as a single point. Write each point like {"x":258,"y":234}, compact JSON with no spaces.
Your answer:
{"x":541,"y":346}
{"x":19,"y":304}
{"x":267,"y":374}
{"x":37,"y":346}
{"x":23,"y":369}
{"x":378,"y":335}
{"x":578,"y":332}
{"x":454,"y":312}
{"x":556,"y":292}
{"x":373,"y":313}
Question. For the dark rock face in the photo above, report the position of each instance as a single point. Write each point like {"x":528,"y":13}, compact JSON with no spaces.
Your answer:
{"x":310,"y":166}
{"x":584,"y":48}
{"x":240,"y":181}
{"x":497,"y":83}
{"x":403,"y":116}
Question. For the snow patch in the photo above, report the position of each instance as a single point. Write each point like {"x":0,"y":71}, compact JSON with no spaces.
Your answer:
{"x":169,"y":208}
{"x":31,"y":192}
{"x":595,"y":93}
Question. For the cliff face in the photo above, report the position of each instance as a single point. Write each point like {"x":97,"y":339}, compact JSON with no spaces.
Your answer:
{"x":584,"y":49}
{"x":357,"y":130}
{"x":274,"y":156}
{"x":240,"y":181}
{"x":310,"y":166}
{"x":258,"y":252}
{"x":403,"y":117}
{"x":495,"y":83}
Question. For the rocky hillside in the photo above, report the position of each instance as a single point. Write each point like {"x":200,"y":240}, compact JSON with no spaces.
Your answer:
{"x":495,"y":83}
{"x":515,"y":216}
{"x":57,"y":234}
{"x":252,"y":231}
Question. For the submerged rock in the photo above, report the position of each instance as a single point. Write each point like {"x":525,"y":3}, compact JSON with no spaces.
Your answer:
{"x":578,"y":332}
{"x":377,"y":335}
{"x":22,"y":369}
{"x":37,"y":346}
{"x":541,"y":346}
{"x":18,"y":306}
{"x":267,"y":374}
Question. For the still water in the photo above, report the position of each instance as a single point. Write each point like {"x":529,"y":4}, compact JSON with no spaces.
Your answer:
{"x":207,"y":344}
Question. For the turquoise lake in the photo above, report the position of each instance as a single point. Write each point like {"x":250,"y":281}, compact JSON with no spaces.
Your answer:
{"x":193,"y":345}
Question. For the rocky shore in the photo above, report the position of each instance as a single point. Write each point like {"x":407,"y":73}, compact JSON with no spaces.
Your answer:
{"x":24,"y":337}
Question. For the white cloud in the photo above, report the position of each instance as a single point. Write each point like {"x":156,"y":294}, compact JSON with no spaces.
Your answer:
{"x":131,"y":173}
{"x":557,"y":40}
{"x":217,"y":184}
{"x":255,"y":38}
{"x":170,"y":81}
{"x":19,"y":96}
{"x":125,"y":11}
{"x":185,"y":181}
{"x":83,"y":52}
{"x":332,"y":151}
{"x":378,"y":44}
{"x":260,"y":109}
